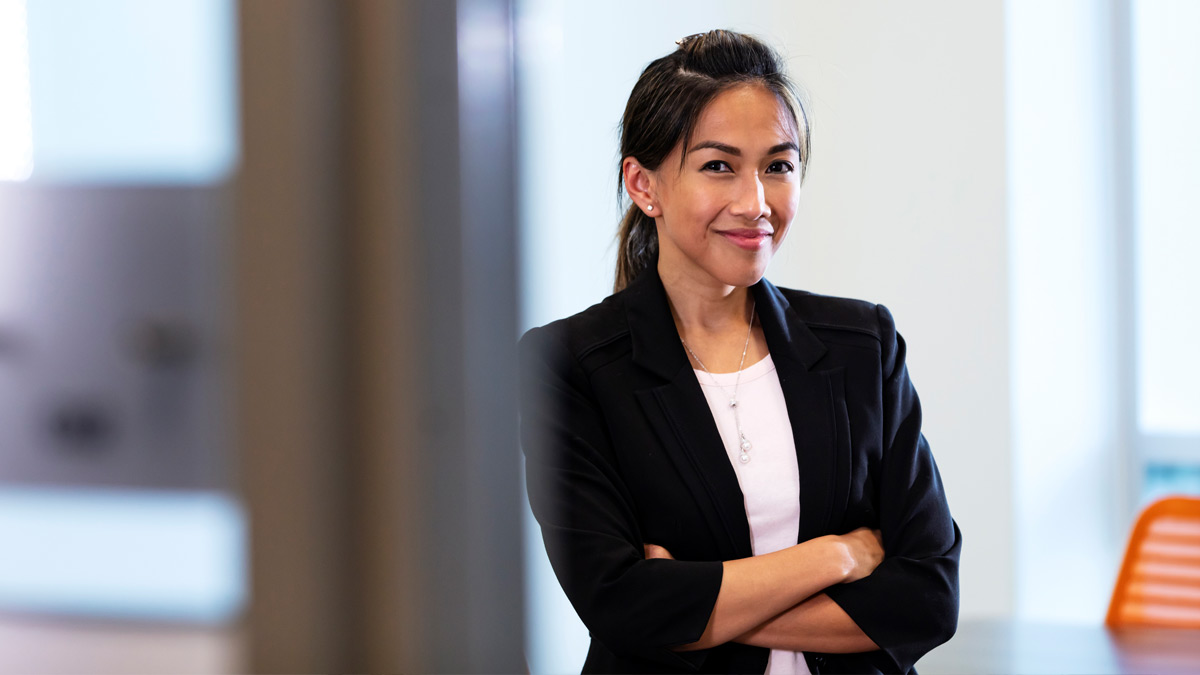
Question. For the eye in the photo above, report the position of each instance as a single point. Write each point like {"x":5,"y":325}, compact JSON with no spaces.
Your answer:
{"x":717,"y":166}
{"x":780,"y":166}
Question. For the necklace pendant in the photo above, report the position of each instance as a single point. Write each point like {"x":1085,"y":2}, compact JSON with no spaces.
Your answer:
{"x":744,"y":457}
{"x":733,"y":403}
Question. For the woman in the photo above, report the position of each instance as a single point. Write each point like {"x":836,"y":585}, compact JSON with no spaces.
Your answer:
{"x":730,"y":476}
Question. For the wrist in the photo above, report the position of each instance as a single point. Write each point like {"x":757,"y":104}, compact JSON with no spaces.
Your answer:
{"x":840,"y":557}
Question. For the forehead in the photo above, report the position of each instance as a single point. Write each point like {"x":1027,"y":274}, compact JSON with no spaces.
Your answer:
{"x":746,"y":116}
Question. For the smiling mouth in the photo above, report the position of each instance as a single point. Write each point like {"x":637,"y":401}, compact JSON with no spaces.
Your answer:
{"x":750,"y":240}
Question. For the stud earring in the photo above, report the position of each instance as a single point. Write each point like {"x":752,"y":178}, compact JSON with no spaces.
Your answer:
{"x":649,"y":207}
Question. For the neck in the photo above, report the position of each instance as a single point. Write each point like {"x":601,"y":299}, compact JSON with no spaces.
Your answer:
{"x":706,"y":308}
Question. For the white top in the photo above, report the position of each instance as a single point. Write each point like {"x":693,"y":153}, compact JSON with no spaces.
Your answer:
{"x":770,"y":481}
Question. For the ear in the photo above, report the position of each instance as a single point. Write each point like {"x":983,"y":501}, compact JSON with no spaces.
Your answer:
{"x":640,"y":185}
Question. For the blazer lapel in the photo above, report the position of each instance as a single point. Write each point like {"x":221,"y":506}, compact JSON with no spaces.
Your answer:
{"x":680,"y":415}
{"x":811,"y":397}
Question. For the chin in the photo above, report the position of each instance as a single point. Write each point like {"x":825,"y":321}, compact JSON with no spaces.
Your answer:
{"x":744,"y":277}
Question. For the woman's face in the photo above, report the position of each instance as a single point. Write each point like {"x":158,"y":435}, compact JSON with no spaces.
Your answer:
{"x":725,"y":212}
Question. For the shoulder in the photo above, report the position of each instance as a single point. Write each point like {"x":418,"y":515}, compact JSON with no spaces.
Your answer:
{"x":832,"y":315}
{"x":848,"y":322}
{"x":598,"y":332}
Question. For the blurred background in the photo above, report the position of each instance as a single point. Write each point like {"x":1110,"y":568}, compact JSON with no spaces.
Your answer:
{"x":263,"y":265}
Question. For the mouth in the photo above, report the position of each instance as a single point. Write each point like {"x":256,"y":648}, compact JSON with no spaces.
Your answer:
{"x":750,"y":239}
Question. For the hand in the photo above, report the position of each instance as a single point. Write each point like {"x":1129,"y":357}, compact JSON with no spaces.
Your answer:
{"x":865,"y":548}
{"x":655,"y":551}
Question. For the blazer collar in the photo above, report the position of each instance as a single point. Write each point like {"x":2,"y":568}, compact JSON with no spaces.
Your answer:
{"x":656,"y":344}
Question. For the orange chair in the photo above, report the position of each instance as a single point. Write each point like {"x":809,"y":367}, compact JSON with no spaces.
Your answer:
{"x":1159,"y":583}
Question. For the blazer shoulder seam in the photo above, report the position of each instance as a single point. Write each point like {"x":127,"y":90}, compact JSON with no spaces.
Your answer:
{"x":604,"y":342}
{"x":842,"y":327}
{"x":799,"y":299}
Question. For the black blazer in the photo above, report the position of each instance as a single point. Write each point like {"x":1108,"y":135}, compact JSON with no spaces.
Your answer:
{"x":621,"y":449}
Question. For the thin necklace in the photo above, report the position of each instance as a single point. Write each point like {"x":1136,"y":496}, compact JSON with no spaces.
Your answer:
{"x":733,"y":400}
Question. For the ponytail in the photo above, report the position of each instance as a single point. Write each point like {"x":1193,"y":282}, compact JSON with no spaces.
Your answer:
{"x":637,"y":246}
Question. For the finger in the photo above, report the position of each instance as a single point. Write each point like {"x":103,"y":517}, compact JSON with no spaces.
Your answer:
{"x":656,"y":551}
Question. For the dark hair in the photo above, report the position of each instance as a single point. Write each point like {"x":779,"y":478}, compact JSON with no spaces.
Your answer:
{"x":664,"y":107}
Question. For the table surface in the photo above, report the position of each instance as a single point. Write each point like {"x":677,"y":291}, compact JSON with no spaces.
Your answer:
{"x":1025,"y":648}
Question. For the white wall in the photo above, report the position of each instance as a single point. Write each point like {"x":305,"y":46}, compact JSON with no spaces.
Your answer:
{"x":1070,"y":490}
{"x":905,"y":204}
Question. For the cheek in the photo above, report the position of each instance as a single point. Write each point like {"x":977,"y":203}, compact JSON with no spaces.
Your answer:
{"x":785,"y":210}
{"x":785,"y":202}
{"x":698,"y":211}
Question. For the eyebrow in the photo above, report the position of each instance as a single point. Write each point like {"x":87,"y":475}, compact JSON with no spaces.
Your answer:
{"x":730,"y":150}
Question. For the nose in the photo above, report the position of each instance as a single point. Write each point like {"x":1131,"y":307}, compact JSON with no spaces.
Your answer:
{"x":751,"y":199}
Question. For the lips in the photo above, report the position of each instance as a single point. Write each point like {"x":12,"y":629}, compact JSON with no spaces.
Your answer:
{"x":750,"y":239}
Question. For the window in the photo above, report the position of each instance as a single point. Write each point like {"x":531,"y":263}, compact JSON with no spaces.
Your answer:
{"x":16,"y":132}
{"x":122,"y":116}
{"x":127,"y":91}
{"x":1165,"y":67}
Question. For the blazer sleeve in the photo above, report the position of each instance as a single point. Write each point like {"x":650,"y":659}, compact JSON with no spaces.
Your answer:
{"x":637,"y":608}
{"x":909,"y":604}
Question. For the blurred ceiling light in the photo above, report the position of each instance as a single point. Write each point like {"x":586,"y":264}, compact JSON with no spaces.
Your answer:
{"x":16,"y":119}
